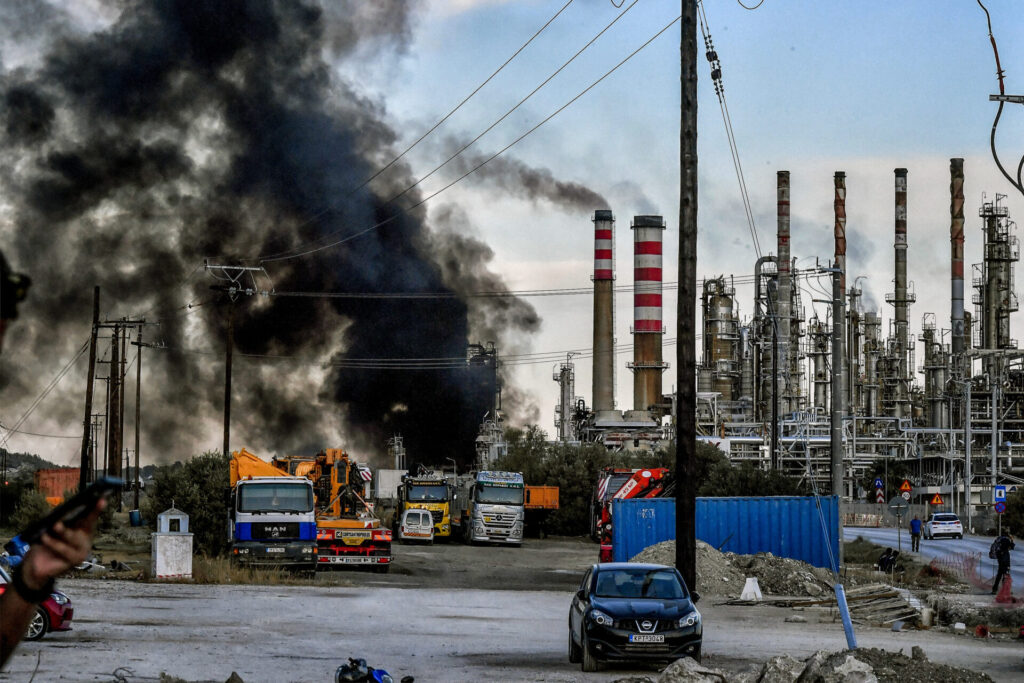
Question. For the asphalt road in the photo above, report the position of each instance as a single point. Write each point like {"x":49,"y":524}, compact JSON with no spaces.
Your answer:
{"x":487,"y":624}
{"x":948,"y":548}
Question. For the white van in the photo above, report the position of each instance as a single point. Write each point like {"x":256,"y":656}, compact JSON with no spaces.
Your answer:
{"x":417,"y":525}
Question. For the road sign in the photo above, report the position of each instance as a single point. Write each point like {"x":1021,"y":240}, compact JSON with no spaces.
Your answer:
{"x":880,"y":496}
{"x":905,"y":486}
{"x":898,"y":505}
{"x":1012,"y":489}
{"x":1000,"y":507}
{"x":905,"y":495}
{"x":936,"y":499}
{"x":878,"y":483}
{"x":999,"y":493}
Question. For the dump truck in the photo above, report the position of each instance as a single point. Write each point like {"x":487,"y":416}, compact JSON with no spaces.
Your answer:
{"x":271,"y":517}
{"x":490,"y":507}
{"x":429,"y":491}
{"x":347,"y":531}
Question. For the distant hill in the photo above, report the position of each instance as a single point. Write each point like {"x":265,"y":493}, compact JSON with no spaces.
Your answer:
{"x":21,"y":466}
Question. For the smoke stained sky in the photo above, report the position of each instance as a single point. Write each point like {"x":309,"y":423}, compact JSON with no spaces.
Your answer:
{"x":813,"y":88}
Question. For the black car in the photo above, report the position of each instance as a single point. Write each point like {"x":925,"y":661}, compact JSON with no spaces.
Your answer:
{"x":626,"y":611}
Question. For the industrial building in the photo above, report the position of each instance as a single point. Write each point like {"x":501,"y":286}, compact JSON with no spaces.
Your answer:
{"x":951,"y":400}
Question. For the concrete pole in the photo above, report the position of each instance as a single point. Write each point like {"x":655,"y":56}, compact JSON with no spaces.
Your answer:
{"x":227,"y":377}
{"x":839,"y":321}
{"x":138,"y":413}
{"x":85,"y":462}
{"x":994,"y":448}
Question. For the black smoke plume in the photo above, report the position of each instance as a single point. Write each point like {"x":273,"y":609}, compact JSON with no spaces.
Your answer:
{"x":181,"y":130}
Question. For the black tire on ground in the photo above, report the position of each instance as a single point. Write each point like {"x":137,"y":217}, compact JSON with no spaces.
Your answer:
{"x":960,"y":536}
{"x":696,"y":655}
{"x":574,"y":650}
{"x":589,"y":661}
{"x":39,"y":625}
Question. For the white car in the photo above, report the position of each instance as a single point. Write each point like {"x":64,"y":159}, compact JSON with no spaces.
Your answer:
{"x":417,"y":525}
{"x":943,"y":524}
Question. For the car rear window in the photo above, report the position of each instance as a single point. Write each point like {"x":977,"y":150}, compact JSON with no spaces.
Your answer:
{"x":946,"y":518}
{"x":643,"y":583}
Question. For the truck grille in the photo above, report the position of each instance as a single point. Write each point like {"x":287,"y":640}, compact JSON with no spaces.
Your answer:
{"x":272,"y":530}
{"x":436,"y":515}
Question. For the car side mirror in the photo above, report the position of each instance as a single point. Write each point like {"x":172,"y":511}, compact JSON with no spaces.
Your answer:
{"x":694,"y":596}
{"x":581,"y":594}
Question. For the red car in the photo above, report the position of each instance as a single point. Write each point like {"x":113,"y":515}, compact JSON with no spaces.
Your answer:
{"x":52,"y":614}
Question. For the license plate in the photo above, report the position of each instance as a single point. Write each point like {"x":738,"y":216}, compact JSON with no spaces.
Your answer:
{"x":646,"y":638}
{"x":275,"y":550}
{"x":487,"y":519}
{"x":350,"y":560}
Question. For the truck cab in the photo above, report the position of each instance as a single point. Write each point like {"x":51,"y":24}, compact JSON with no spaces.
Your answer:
{"x":272,"y":522}
{"x":428,"y":492}
{"x":491,"y":508}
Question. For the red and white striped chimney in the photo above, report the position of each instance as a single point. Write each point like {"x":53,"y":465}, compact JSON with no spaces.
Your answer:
{"x":647,"y":365}
{"x":604,"y":312}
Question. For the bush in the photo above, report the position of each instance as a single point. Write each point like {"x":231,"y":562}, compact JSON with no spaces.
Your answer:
{"x":198,"y":488}
{"x":31,"y":506}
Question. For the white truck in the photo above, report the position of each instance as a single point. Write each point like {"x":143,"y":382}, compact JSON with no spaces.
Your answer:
{"x":490,"y":508}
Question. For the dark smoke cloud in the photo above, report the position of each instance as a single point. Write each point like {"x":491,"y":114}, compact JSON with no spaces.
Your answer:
{"x":185,"y":130}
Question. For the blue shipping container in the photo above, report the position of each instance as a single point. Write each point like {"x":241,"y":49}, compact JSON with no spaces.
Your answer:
{"x":803,"y":528}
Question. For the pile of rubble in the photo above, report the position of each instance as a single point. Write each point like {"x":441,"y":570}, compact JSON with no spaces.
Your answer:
{"x":724,"y":574}
{"x":951,"y":610}
{"x":869,"y":665}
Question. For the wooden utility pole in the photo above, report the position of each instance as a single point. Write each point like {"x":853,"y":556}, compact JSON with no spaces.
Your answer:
{"x":138,"y":409}
{"x":114,"y":406}
{"x":686,"y":363}
{"x":227,"y":377}
{"x":85,"y":463}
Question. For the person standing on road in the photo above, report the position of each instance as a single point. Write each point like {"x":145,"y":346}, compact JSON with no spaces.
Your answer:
{"x":1001,"y":549}
{"x":915,"y":534}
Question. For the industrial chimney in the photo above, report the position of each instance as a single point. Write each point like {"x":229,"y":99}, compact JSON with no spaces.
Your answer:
{"x":784,"y":299}
{"x":901,"y":297}
{"x":956,"y":247}
{"x":604,"y":313}
{"x":647,"y":364}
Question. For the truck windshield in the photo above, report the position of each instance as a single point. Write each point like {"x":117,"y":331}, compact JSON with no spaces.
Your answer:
{"x":280,"y":497}
{"x":499,"y":495}
{"x":428,"y":493}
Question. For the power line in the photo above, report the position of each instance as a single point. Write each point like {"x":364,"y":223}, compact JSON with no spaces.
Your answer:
{"x":402,"y":211}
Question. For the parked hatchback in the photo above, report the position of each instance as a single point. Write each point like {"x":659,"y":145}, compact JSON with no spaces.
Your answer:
{"x":943,"y":524}
{"x":625,"y":611}
{"x":52,"y":614}
{"x":417,"y":525}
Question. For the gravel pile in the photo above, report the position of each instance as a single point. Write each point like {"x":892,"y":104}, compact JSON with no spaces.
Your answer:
{"x":864,"y":665}
{"x":724,"y":574}
{"x":716,"y":574}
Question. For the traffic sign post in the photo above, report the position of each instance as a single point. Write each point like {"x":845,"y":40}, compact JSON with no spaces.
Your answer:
{"x":879,"y":496}
{"x":999,"y":494}
{"x":898,"y":505}
{"x":906,"y":487}
{"x":878,"y":483}
{"x":1000,"y":508}
{"x":906,"y":496}
{"x":937,"y":499}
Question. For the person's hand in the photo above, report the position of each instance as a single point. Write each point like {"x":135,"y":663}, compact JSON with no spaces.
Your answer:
{"x":59,"y":549}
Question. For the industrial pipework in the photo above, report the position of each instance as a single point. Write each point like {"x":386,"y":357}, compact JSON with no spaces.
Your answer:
{"x":784,"y":300}
{"x":956,"y":247}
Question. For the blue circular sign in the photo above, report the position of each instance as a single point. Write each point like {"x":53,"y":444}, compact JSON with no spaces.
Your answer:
{"x":1000,"y":507}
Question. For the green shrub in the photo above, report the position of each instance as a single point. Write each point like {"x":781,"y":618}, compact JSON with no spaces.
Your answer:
{"x":198,"y":488}
{"x":31,"y":506}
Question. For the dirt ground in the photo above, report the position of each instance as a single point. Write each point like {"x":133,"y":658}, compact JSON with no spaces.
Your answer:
{"x":446,"y":613}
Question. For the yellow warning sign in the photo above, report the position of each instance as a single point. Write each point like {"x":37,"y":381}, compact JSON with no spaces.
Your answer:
{"x":936,"y":499}
{"x":905,"y":486}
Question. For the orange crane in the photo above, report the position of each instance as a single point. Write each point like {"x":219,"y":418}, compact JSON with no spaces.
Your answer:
{"x":649,"y":482}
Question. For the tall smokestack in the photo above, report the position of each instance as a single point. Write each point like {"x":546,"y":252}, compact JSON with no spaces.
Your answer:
{"x":784,"y":299}
{"x":604,"y":312}
{"x":956,"y":246}
{"x":647,"y":365}
{"x":900,"y":300}
{"x":839,"y":208}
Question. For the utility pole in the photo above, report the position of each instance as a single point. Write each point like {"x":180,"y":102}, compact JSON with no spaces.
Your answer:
{"x":686,"y":304}
{"x":85,"y":462}
{"x":114,"y":406}
{"x":227,"y":377}
{"x":138,"y":410}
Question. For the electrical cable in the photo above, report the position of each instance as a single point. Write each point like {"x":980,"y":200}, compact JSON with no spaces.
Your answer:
{"x":1018,"y":184}
{"x":406,"y":210}
{"x":761,"y":2}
